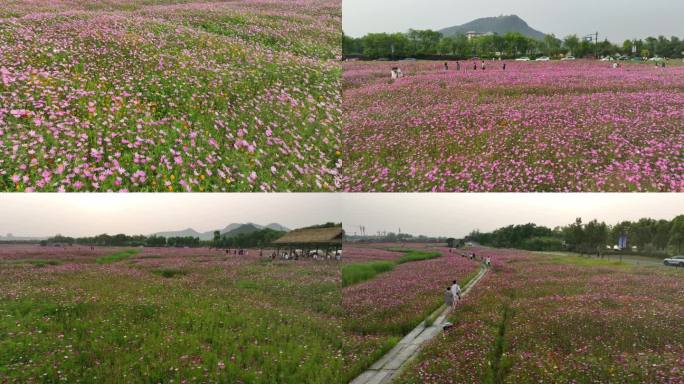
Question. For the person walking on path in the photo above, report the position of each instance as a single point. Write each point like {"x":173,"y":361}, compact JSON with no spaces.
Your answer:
{"x":456,"y":290}
{"x":448,"y":298}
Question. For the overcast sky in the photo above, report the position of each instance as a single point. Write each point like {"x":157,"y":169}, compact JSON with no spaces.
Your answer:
{"x":616,"y":19}
{"x":77,"y":214}
{"x":457,"y":214}
{"x":453,"y":214}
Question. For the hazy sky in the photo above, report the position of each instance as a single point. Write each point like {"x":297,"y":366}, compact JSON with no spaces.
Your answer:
{"x":458,"y":214}
{"x":77,"y":214}
{"x":429,"y":214}
{"x":616,"y":19}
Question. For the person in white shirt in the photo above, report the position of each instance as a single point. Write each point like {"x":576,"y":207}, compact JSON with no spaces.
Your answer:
{"x":456,"y":291}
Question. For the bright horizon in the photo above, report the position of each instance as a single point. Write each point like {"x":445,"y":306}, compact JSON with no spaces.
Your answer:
{"x":77,"y":214}
{"x":40,"y":215}
{"x":458,"y":214}
{"x":611,"y":18}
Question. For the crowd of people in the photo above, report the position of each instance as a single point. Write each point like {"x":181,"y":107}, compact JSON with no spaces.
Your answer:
{"x":315,"y":255}
{"x":396,"y":72}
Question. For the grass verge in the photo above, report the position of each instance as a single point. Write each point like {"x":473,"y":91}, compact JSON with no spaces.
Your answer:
{"x":117,"y":256}
{"x":359,"y":272}
{"x":356,"y":273}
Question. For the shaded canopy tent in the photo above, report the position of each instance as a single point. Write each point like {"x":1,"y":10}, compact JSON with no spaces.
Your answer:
{"x":302,"y":241}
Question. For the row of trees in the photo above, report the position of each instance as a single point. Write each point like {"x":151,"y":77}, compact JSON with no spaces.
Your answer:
{"x":427,"y":43}
{"x":257,"y":239}
{"x":391,"y":237}
{"x":646,"y":236}
{"x":122,"y":240}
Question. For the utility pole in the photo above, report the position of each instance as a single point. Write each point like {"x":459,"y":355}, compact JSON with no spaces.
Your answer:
{"x":594,"y":37}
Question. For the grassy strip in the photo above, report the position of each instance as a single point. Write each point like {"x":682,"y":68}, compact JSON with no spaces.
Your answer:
{"x":117,"y":256}
{"x":499,"y":366}
{"x":414,"y":255}
{"x":35,"y":262}
{"x":356,"y":273}
{"x":170,"y":272}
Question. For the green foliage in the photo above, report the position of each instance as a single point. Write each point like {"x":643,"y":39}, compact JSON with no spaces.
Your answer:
{"x":650,"y":237}
{"x":413,"y":255}
{"x":170,"y":272}
{"x":155,"y":241}
{"x":35,"y":262}
{"x":183,"y":241}
{"x":427,"y":43}
{"x":152,"y":331}
{"x":356,"y":273}
{"x":117,"y":256}
{"x":513,"y":236}
{"x":253,"y":239}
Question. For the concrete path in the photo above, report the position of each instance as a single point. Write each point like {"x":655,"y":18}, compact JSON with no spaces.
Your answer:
{"x":391,"y":364}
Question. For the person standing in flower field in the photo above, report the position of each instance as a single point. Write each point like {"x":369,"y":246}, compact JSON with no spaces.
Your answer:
{"x":446,"y":66}
{"x":456,"y":290}
{"x":458,"y":65}
{"x":484,"y":66}
{"x":448,"y":298}
{"x":504,"y":66}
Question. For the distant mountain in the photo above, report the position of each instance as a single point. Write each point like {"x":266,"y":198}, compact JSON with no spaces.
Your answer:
{"x":184,"y":233}
{"x":277,"y":227}
{"x":231,"y":230}
{"x":243,"y":229}
{"x":499,"y":25}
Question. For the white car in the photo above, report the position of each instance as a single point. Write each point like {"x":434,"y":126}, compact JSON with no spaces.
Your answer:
{"x":523,"y":59}
{"x":544,"y":58}
{"x":568,"y":58}
{"x":656,"y":59}
{"x":675,"y":261}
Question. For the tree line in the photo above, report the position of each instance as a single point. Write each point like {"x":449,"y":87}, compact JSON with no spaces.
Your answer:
{"x":123,"y":240}
{"x":429,"y":44}
{"x":257,"y":239}
{"x":646,"y":236}
{"x":260,"y":238}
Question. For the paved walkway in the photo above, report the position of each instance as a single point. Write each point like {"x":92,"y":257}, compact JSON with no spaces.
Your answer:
{"x":391,"y":364}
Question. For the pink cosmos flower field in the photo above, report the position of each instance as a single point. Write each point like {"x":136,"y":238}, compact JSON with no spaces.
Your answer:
{"x":182,"y":315}
{"x":138,"y":95}
{"x":552,"y":126}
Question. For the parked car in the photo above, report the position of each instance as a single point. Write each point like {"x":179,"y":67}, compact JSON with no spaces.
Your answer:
{"x":523,"y":59}
{"x":544,"y":58}
{"x":568,"y":58}
{"x":656,"y":59}
{"x":675,"y":261}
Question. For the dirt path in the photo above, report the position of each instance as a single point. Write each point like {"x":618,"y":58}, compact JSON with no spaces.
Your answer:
{"x":392,"y":363}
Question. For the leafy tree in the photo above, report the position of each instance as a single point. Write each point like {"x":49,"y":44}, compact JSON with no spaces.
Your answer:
{"x":574,"y":235}
{"x":677,"y":233}
{"x":572,"y":43}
